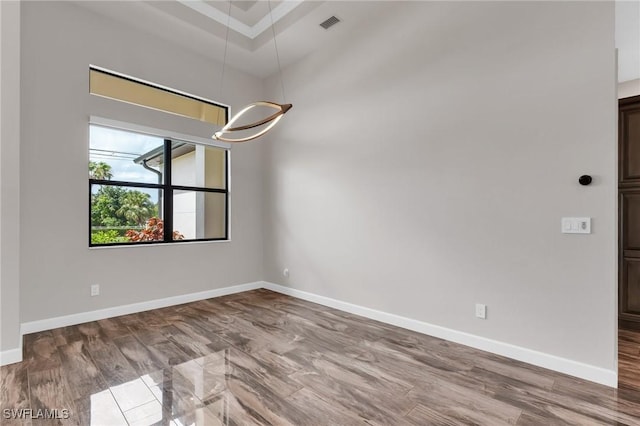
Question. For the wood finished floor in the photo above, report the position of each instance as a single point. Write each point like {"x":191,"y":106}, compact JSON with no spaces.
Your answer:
{"x":263,"y":358}
{"x":629,"y":359}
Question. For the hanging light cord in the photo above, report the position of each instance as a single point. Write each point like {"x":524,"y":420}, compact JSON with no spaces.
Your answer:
{"x":275,"y":43}
{"x":224,"y":56}
{"x":271,"y":120}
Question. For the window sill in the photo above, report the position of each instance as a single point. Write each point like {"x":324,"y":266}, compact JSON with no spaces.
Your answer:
{"x":118,"y":246}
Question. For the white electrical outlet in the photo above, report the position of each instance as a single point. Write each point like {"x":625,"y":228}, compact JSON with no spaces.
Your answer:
{"x":481,"y":311}
{"x":285,"y":272}
{"x":95,"y":289}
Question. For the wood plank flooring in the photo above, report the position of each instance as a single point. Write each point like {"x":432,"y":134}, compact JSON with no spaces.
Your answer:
{"x":629,"y":359}
{"x":263,"y":358}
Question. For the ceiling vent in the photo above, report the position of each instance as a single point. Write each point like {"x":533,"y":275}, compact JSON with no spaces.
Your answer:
{"x":330,"y":22}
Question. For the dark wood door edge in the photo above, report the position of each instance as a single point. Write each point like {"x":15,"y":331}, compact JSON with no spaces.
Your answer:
{"x":629,"y":100}
{"x":625,"y":324}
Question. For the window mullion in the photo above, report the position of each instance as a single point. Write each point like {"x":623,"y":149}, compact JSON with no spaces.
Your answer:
{"x":226,"y":194}
{"x":168,"y":193}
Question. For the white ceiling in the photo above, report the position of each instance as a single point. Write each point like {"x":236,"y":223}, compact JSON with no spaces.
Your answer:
{"x":201,"y":25}
{"x":245,"y":17}
{"x":251,"y":47}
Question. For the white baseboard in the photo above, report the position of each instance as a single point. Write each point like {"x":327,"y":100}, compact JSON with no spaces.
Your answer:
{"x":15,"y":355}
{"x":66,"y":320}
{"x":530,"y":356}
{"x":10,"y":356}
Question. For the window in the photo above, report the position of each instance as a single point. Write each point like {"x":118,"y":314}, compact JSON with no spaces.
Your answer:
{"x":146,"y":189}
{"x":119,"y":87}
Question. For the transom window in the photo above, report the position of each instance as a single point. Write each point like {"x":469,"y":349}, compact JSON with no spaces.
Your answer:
{"x":147,"y":189}
{"x":123,"y":88}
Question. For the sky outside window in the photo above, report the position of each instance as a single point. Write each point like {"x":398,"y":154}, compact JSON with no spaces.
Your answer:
{"x":119,"y":149}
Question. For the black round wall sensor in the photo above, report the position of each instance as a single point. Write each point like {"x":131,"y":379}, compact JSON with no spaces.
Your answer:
{"x":585,"y":180}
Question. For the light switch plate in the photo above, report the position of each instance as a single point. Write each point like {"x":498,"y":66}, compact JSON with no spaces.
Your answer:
{"x":576,"y":225}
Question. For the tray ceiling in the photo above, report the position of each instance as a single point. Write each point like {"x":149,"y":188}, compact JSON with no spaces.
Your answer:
{"x":201,"y":25}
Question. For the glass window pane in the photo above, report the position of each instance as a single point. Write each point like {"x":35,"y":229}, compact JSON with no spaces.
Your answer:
{"x":198,"y":165}
{"x":128,"y":90}
{"x":199,"y":215}
{"x":121,"y":214}
{"x":124,"y":156}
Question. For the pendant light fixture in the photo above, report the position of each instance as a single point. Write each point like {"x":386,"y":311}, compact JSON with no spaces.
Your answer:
{"x":228,"y":132}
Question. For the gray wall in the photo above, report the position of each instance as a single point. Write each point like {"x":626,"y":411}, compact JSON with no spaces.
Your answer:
{"x":629,"y":88}
{"x":429,"y":159}
{"x":9,"y":175}
{"x":59,"y":41}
